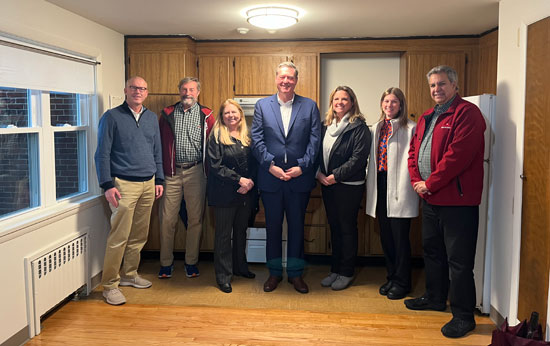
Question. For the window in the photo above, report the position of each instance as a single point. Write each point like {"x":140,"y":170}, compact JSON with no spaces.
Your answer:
{"x":46,"y":107}
{"x":69,"y":143}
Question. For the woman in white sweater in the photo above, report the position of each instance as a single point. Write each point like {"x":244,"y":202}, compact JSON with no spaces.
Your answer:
{"x":390,"y":196}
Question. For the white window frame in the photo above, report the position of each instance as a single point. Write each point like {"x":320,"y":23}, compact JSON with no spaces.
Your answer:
{"x":43,"y":170}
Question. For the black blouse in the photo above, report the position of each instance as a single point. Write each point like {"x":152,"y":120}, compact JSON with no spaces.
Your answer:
{"x":226,"y":165}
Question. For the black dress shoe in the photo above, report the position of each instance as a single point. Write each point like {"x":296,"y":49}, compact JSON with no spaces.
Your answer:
{"x":423,"y":303}
{"x":225,"y":288}
{"x":299,"y":284}
{"x":397,"y":292}
{"x":385,"y":288}
{"x":271,"y":283}
{"x":248,"y":275}
{"x":458,"y":327}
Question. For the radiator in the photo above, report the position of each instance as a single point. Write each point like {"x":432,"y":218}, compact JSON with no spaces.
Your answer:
{"x":54,"y":275}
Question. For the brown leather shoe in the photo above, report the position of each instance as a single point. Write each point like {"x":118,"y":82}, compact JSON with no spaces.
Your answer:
{"x":271,"y":283}
{"x":299,"y":284}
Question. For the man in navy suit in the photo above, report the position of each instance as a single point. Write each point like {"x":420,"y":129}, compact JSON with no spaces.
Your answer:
{"x":286,"y":137}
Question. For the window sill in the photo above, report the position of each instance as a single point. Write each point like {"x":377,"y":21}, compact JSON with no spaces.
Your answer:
{"x":32,"y":220}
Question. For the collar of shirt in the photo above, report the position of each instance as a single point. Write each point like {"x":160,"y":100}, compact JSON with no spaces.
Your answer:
{"x":287,"y":104}
{"x":440,"y":109}
{"x":137,"y":114}
{"x":180,"y":105}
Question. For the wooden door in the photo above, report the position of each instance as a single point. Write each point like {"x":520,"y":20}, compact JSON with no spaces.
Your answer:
{"x":308,"y":78}
{"x":418,"y":65}
{"x":216,"y":80}
{"x":255,"y":74}
{"x":535,"y":223}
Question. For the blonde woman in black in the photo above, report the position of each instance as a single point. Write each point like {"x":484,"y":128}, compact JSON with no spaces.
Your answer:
{"x":231,"y":170}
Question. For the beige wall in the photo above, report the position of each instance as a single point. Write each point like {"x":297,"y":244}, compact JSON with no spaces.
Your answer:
{"x":43,"y":22}
{"x":514,"y":17}
{"x":368,"y":74}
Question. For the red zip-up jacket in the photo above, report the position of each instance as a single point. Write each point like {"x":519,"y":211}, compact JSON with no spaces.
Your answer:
{"x":167,"y":137}
{"x":456,"y":157}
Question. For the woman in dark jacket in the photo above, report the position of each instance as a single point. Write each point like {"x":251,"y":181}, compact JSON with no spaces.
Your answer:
{"x":231,"y":169}
{"x":346,"y":142}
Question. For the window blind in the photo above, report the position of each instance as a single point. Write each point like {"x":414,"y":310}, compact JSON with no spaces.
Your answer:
{"x":28,"y":67}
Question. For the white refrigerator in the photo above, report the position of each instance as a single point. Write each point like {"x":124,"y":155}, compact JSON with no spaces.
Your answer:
{"x":482,"y":268}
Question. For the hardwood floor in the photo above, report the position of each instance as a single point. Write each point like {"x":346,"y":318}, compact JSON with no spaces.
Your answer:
{"x":183,"y":311}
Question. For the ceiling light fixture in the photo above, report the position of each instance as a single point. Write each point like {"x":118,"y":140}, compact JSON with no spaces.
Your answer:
{"x":272,"y":17}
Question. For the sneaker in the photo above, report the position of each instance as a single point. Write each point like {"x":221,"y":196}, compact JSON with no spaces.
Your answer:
{"x":114,"y":296}
{"x":191,"y":271}
{"x":165,"y":272}
{"x":458,"y":327}
{"x":326,"y":282}
{"x":341,"y":282}
{"x":423,"y":303}
{"x":137,"y":282}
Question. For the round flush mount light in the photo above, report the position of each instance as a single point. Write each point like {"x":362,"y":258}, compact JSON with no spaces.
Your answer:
{"x":272,"y":17}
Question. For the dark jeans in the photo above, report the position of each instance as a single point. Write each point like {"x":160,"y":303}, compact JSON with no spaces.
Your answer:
{"x":394,"y":236}
{"x":342,"y":205}
{"x":449,"y":237}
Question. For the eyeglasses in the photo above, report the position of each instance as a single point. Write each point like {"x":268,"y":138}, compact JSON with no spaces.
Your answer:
{"x":136,"y":88}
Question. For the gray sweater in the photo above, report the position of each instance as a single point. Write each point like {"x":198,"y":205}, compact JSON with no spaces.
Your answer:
{"x":128,"y":149}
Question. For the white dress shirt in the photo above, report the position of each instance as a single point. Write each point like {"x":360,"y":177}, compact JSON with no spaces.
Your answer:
{"x":286,"y":112}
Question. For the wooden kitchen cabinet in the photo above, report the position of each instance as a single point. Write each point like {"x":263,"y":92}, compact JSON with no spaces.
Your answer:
{"x":255,"y":74}
{"x":415,"y":66}
{"x":315,"y":240}
{"x":215,"y":74}
{"x":157,"y":103}
{"x":373,"y":246}
{"x":162,"y":71}
{"x":308,"y":77}
{"x":161,"y":62}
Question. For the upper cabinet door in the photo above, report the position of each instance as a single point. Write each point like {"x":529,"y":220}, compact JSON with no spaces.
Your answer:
{"x":216,"y":80}
{"x":162,"y":71}
{"x":308,"y":78}
{"x":255,"y":75}
{"x":417,"y":66}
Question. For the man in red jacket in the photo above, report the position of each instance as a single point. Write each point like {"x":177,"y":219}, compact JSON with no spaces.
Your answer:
{"x":184,"y":128}
{"x":446,"y":169}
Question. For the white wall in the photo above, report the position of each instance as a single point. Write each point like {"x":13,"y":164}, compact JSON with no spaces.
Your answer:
{"x":514,"y":17}
{"x":43,"y":22}
{"x":368,"y":74}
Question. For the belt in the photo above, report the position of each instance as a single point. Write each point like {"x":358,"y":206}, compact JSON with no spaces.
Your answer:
{"x":187,"y":165}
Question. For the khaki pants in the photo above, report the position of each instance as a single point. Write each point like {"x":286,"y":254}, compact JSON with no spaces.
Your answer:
{"x":189,"y":184}
{"x":129,"y":230}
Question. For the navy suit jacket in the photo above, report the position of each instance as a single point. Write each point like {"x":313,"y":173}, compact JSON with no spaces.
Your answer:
{"x":301,"y":145}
